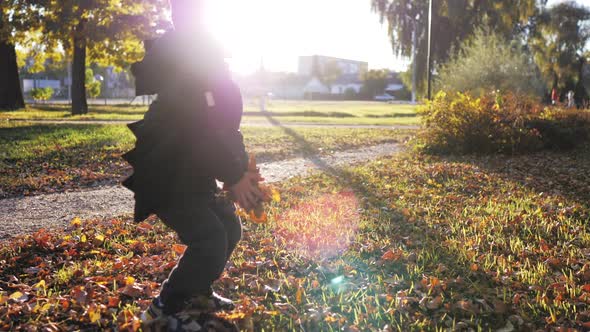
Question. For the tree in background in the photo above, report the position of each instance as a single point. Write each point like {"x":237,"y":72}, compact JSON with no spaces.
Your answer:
{"x":374,"y":82}
{"x":42,"y":94}
{"x":488,"y":62}
{"x":106,"y":32}
{"x":559,"y":43}
{"x":453,"y":21}
{"x":93,"y":86}
{"x":16,"y":18}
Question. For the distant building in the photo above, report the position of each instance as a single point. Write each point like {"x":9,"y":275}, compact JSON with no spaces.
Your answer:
{"x":347,"y":82}
{"x":307,"y":82}
{"x":315,"y":87}
{"x":314,"y":64}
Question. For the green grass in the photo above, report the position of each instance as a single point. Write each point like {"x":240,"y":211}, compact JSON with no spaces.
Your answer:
{"x":43,"y":158}
{"x":411,"y":243}
{"x":344,"y":112}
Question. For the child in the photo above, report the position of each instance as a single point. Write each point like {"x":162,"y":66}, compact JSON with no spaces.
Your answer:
{"x":189,"y":138}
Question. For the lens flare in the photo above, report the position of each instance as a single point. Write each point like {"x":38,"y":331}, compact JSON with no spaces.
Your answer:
{"x":321,"y":227}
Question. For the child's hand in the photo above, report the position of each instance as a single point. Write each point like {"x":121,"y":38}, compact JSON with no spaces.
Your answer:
{"x":246,"y":191}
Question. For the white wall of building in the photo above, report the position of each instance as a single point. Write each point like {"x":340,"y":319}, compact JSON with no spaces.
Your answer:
{"x":29,"y":84}
{"x":315,"y":86}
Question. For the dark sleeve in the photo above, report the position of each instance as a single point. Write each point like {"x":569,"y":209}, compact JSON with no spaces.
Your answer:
{"x":229,"y":160}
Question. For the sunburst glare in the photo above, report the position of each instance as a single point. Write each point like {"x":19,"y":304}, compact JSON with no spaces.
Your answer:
{"x":320,"y":228}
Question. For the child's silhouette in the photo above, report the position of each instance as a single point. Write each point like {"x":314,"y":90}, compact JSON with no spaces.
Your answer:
{"x":188,"y":139}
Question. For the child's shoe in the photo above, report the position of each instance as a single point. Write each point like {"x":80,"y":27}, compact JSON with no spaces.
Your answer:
{"x":153,"y":318}
{"x":154,"y":311}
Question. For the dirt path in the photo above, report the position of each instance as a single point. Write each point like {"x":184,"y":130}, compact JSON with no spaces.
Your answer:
{"x":263,"y":124}
{"x":28,"y":214}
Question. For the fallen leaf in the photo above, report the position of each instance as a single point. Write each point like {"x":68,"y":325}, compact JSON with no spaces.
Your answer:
{"x":299,"y":296}
{"x":76,"y":222}
{"x":179,"y":249}
{"x":19,"y":297}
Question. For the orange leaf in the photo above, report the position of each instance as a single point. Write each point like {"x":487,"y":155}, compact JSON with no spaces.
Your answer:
{"x":299,"y":296}
{"x":474,"y":267}
{"x":390,"y":255}
{"x":178,"y":248}
{"x":258,"y":217}
{"x":434,"y":281}
{"x":113,"y":301}
{"x":65,"y":304}
{"x":586,"y":288}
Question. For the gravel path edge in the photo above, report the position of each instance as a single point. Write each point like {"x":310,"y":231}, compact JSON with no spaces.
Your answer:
{"x":50,"y":211}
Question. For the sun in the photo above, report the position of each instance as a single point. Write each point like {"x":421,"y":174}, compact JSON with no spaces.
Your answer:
{"x":249,"y":31}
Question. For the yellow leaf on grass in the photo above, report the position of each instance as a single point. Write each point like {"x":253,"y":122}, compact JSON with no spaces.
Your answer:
{"x":93,"y":314}
{"x":45,"y":307}
{"x":15,"y":295}
{"x":129,"y":280}
{"x":83,"y":238}
{"x":40,"y":285}
{"x":299,"y":296}
{"x":18,"y":296}
{"x":276,"y":197}
{"x":76,"y":222}
{"x":99,"y":237}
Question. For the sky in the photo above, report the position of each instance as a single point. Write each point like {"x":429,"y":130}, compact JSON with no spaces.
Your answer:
{"x":278,"y":31}
{"x":582,"y":2}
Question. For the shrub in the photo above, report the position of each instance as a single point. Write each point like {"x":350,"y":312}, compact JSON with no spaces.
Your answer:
{"x":488,"y":62}
{"x":93,"y":86}
{"x":507,"y":123}
{"x":42,"y":94}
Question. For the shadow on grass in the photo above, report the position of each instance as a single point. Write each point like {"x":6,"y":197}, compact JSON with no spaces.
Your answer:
{"x":93,"y":109}
{"x":360,"y":185}
{"x":392,"y":115}
{"x":302,"y":113}
{"x":560,"y":173}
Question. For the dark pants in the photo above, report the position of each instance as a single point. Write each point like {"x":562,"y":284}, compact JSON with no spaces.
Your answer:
{"x":211,"y":230}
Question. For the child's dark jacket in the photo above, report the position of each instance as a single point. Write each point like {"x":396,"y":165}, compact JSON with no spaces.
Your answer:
{"x":190,"y":136}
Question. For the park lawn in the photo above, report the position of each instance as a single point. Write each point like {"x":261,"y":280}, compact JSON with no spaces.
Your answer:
{"x":63,"y":112}
{"x":406,"y":243}
{"x":343,"y":112}
{"x":37,"y":158}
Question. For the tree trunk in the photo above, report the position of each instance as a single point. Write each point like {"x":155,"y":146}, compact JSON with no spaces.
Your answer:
{"x":79,"y":103}
{"x":11,"y":95}
{"x":580,"y":93}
